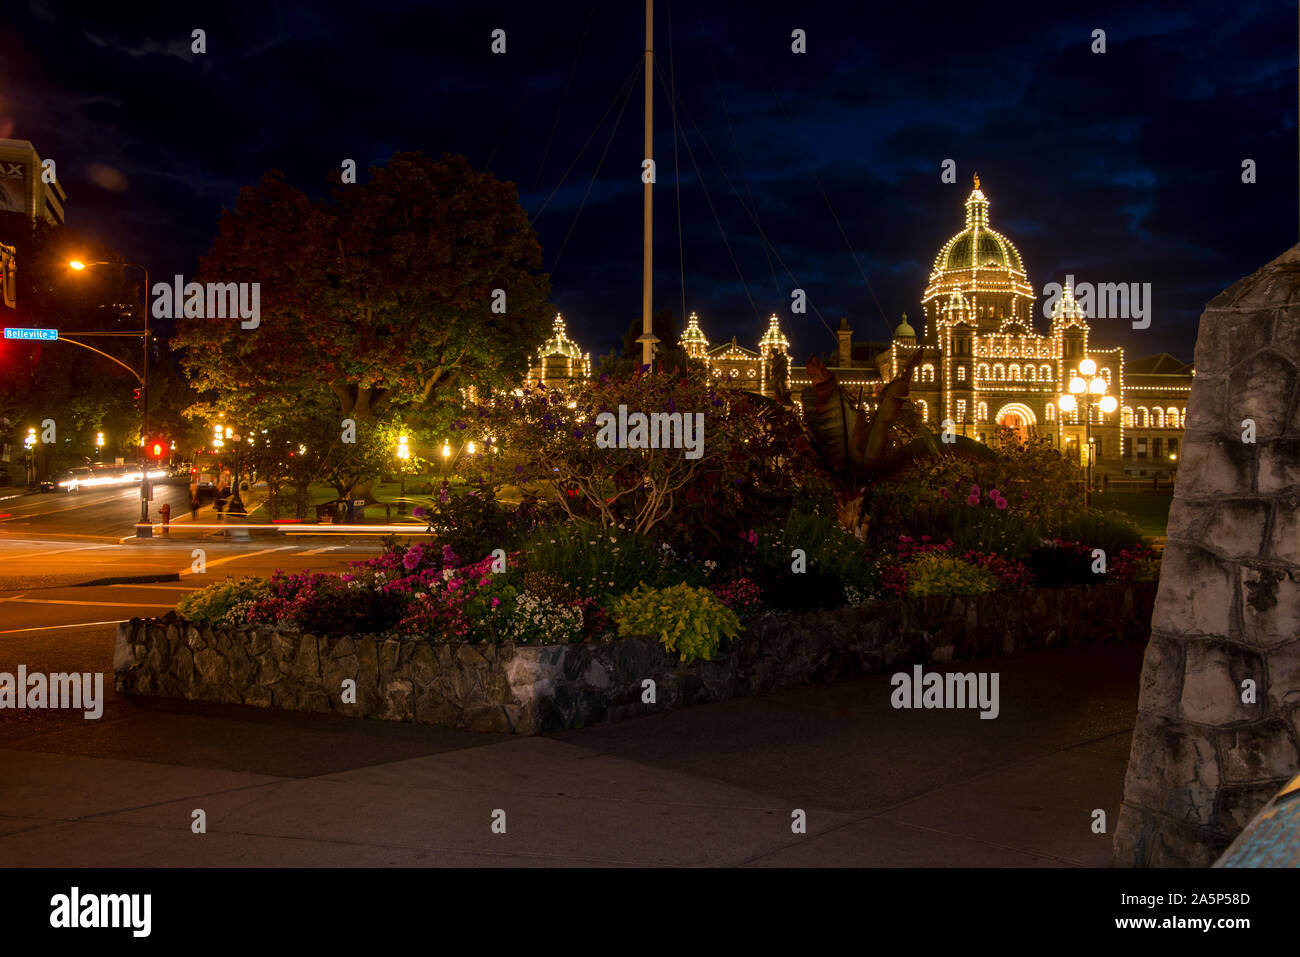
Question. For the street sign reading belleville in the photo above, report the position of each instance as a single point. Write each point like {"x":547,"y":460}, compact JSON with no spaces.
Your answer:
{"x":13,"y":332}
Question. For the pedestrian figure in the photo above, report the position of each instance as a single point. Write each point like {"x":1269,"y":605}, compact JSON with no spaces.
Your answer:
{"x":166,"y":513}
{"x":194,"y":508}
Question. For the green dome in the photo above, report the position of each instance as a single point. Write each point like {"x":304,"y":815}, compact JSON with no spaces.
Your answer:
{"x":979,"y":246}
{"x":904,"y":331}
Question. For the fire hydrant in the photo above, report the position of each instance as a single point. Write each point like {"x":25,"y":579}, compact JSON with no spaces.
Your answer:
{"x":166,"y":513}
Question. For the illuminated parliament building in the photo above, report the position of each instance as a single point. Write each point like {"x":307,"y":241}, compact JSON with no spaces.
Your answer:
{"x":983,"y":366}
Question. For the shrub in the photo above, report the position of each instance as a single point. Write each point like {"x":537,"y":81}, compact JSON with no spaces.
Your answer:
{"x":697,"y":503}
{"x":1140,"y":564}
{"x":827,"y":546}
{"x":1037,"y":485}
{"x":689,"y":621}
{"x":471,"y":521}
{"x":223,"y":603}
{"x":936,"y":573}
{"x":813,"y":590}
{"x":538,"y":620}
{"x":1113,"y":532}
{"x":742,"y":596}
{"x":1056,"y":564}
{"x":604,"y":562}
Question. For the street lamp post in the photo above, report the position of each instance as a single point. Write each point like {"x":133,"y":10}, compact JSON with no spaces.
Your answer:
{"x":1094,"y":385}
{"x":144,"y":529}
{"x":403,"y":453}
{"x":236,"y":506}
{"x":29,"y":442}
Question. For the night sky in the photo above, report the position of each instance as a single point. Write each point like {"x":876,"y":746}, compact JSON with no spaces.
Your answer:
{"x":1124,"y":166}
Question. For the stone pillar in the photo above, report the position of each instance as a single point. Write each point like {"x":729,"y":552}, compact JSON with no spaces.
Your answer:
{"x":1208,"y":751}
{"x":844,"y":344}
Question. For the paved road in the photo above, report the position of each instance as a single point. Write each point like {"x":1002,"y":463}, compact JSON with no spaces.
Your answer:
{"x":42,"y":581}
{"x":105,"y":514}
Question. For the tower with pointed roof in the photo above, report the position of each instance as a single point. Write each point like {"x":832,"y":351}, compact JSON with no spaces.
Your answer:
{"x":693,"y":342}
{"x":560,"y":360}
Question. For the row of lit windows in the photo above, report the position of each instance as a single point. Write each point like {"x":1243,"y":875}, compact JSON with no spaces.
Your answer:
{"x":1015,"y":348}
{"x":1003,"y":373}
{"x":1155,"y":418}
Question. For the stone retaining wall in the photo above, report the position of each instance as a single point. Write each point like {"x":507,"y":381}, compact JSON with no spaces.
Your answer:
{"x":538,"y":689}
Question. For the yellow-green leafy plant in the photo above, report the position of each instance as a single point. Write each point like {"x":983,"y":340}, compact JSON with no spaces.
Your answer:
{"x":224,"y":602}
{"x":690,"y":622}
{"x":936,"y":573}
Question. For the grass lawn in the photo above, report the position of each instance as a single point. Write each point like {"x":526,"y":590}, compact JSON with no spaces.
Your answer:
{"x":385,"y":493}
{"x":1149,"y":509}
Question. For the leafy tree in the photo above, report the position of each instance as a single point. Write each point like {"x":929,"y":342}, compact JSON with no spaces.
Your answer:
{"x":381,"y":294}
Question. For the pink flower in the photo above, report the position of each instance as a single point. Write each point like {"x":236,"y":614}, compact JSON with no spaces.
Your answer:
{"x":753,"y":537}
{"x":1002,"y":504}
{"x":972,"y":499}
{"x":496,"y":602}
{"x":944,"y":490}
{"x":975,"y":490}
{"x":994,"y":494}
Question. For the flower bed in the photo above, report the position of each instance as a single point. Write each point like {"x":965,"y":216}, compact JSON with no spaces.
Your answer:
{"x":507,"y":686}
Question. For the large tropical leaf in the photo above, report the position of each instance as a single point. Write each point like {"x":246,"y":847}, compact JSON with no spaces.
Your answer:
{"x":849,"y":442}
{"x":929,"y":446}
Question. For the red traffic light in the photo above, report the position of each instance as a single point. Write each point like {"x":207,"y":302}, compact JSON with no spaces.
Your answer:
{"x":157,"y":450}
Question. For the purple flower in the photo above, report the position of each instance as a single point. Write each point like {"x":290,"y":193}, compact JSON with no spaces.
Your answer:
{"x":419,"y":511}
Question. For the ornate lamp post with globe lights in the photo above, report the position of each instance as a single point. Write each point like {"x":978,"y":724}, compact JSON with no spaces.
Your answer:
{"x":1092,"y":389}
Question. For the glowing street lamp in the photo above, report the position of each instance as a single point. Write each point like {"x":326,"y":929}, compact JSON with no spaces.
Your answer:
{"x":403,"y":453}
{"x":1087,"y":385}
{"x":99,"y":440}
{"x":29,"y":440}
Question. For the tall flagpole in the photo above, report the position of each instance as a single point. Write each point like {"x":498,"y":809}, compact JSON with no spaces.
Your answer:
{"x":647,"y":338}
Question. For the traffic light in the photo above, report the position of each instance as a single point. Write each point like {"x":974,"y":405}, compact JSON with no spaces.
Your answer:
{"x":157,"y":450}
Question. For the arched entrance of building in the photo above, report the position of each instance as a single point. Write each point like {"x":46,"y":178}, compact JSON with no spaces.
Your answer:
{"x":1019,"y":418}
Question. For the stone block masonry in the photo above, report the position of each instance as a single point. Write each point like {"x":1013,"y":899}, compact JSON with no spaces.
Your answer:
{"x":528,"y":689}
{"x":1218,"y":728}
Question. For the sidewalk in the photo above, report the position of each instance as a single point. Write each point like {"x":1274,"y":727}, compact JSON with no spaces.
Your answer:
{"x":711,"y":785}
